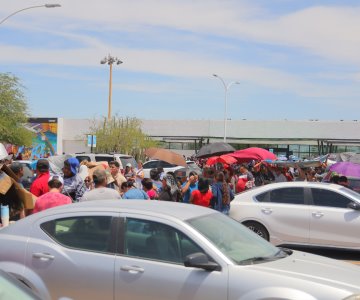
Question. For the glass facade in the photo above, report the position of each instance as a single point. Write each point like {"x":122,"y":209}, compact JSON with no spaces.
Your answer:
{"x":301,"y":151}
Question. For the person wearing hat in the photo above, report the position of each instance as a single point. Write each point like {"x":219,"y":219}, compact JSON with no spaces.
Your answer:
{"x":129,"y":173}
{"x":100,"y":192}
{"x":40,"y":184}
{"x":54,"y":197}
{"x":169,"y":190}
{"x":74,"y":185}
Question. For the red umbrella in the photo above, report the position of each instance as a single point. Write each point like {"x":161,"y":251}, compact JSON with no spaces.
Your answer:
{"x":224,"y":159}
{"x":253,"y":153}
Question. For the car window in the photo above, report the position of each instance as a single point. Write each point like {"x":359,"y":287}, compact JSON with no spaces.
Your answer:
{"x":150,"y":165}
{"x":83,"y":157}
{"x":156,"y":241}
{"x":164,"y":164}
{"x":262,"y":197}
{"x":86,"y":233}
{"x":126,"y":160}
{"x":292,"y":195}
{"x":322,"y":197}
{"x":103,"y":158}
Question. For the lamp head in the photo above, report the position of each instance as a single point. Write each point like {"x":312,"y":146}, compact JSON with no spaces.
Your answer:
{"x":118,"y":62}
{"x":215,"y":75}
{"x":103,"y":61}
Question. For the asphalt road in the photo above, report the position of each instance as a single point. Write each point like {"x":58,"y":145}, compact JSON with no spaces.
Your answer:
{"x":340,"y":254}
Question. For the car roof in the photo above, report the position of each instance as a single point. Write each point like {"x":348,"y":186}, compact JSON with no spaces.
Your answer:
{"x":271,"y":186}
{"x":164,"y":209}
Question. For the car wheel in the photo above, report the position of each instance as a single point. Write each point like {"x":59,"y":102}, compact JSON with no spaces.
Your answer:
{"x":258,"y":229}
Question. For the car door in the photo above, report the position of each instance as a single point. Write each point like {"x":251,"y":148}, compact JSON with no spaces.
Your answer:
{"x":150,"y":265}
{"x":148,"y":166}
{"x":332,"y":223}
{"x":285,"y":213}
{"x":73,"y":255}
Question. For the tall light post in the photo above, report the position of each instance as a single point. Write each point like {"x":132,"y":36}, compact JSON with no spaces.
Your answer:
{"x":110,"y":60}
{"x":30,"y":7}
{"x":226,"y":87}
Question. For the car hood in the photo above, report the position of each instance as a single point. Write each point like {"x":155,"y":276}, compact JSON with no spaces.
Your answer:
{"x":314,"y":269}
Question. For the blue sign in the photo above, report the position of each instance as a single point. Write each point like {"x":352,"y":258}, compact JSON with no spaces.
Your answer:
{"x":91,"y":140}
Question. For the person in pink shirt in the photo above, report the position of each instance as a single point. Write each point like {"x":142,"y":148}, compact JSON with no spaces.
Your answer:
{"x":148,"y":187}
{"x":54,"y":197}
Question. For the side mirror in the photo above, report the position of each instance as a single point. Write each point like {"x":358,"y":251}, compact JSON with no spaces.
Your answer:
{"x":354,"y":205}
{"x":200,"y":260}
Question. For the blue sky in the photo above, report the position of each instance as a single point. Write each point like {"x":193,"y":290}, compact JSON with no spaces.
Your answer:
{"x":294,"y":60}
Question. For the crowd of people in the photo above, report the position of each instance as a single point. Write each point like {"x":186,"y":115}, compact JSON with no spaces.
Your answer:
{"x":214,"y":188}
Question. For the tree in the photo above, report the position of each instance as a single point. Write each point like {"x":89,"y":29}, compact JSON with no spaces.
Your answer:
{"x":121,"y":135}
{"x":13,"y":112}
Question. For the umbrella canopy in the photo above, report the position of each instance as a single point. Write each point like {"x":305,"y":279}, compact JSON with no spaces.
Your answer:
{"x":214,"y":149}
{"x":346,"y":169}
{"x":224,"y":159}
{"x":253,"y":153}
{"x":166,"y":155}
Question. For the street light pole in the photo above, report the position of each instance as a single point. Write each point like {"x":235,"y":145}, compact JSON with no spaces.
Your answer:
{"x":30,"y":7}
{"x":226,"y":88}
{"x":110,"y":60}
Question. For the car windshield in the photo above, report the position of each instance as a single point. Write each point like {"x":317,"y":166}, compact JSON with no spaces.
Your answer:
{"x":234,"y":240}
{"x":194,"y":167}
{"x":125,"y":160}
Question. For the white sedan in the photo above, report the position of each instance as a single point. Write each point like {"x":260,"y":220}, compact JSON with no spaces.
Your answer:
{"x":301,"y":213}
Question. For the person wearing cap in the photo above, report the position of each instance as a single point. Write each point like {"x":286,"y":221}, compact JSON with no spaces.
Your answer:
{"x":169,"y":190}
{"x":40,"y":184}
{"x":74,"y":185}
{"x":129,"y":172}
{"x":54,"y":197}
{"x":100,"y":192}
{"x":18,"y":170}
{"x":139,"y":174}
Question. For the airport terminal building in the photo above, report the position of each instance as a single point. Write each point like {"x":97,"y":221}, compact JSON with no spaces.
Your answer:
{"x":308,"y":138}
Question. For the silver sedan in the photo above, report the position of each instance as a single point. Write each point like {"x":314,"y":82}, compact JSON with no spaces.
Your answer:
{"x":301,"y":213}
{"x":155,"y":250}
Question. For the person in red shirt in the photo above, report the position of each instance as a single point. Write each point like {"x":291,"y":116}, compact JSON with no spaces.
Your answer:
{"x":203,"y":194}
{"x":40,"y":185}
{"x":54,"y":197}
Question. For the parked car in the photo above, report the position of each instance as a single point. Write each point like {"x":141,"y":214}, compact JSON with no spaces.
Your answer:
{"x":301,"y":213}
{"x":153,"y":164}
{"x":13,"y":289}
{"x":161,"y":250}
{"x":122,"y":159}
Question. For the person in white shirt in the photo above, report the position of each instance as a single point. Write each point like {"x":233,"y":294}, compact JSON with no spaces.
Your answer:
{"x":100,"y":192}
{"x":139,"y":174}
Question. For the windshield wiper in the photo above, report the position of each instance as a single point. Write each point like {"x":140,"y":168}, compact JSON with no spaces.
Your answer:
{"x":257,"y":259}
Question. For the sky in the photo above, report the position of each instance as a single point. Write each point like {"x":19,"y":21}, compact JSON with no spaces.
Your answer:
{"x":294,"y":60}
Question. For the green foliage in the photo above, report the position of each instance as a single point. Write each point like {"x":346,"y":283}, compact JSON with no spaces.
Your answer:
{"x":121,"y":135}
{"x":13,"y":112}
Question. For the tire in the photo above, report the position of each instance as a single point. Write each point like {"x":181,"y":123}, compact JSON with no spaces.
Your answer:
{"x":259,"y":229}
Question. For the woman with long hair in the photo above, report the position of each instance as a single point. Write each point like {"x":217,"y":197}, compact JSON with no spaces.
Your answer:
{"x":222,"y":194}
